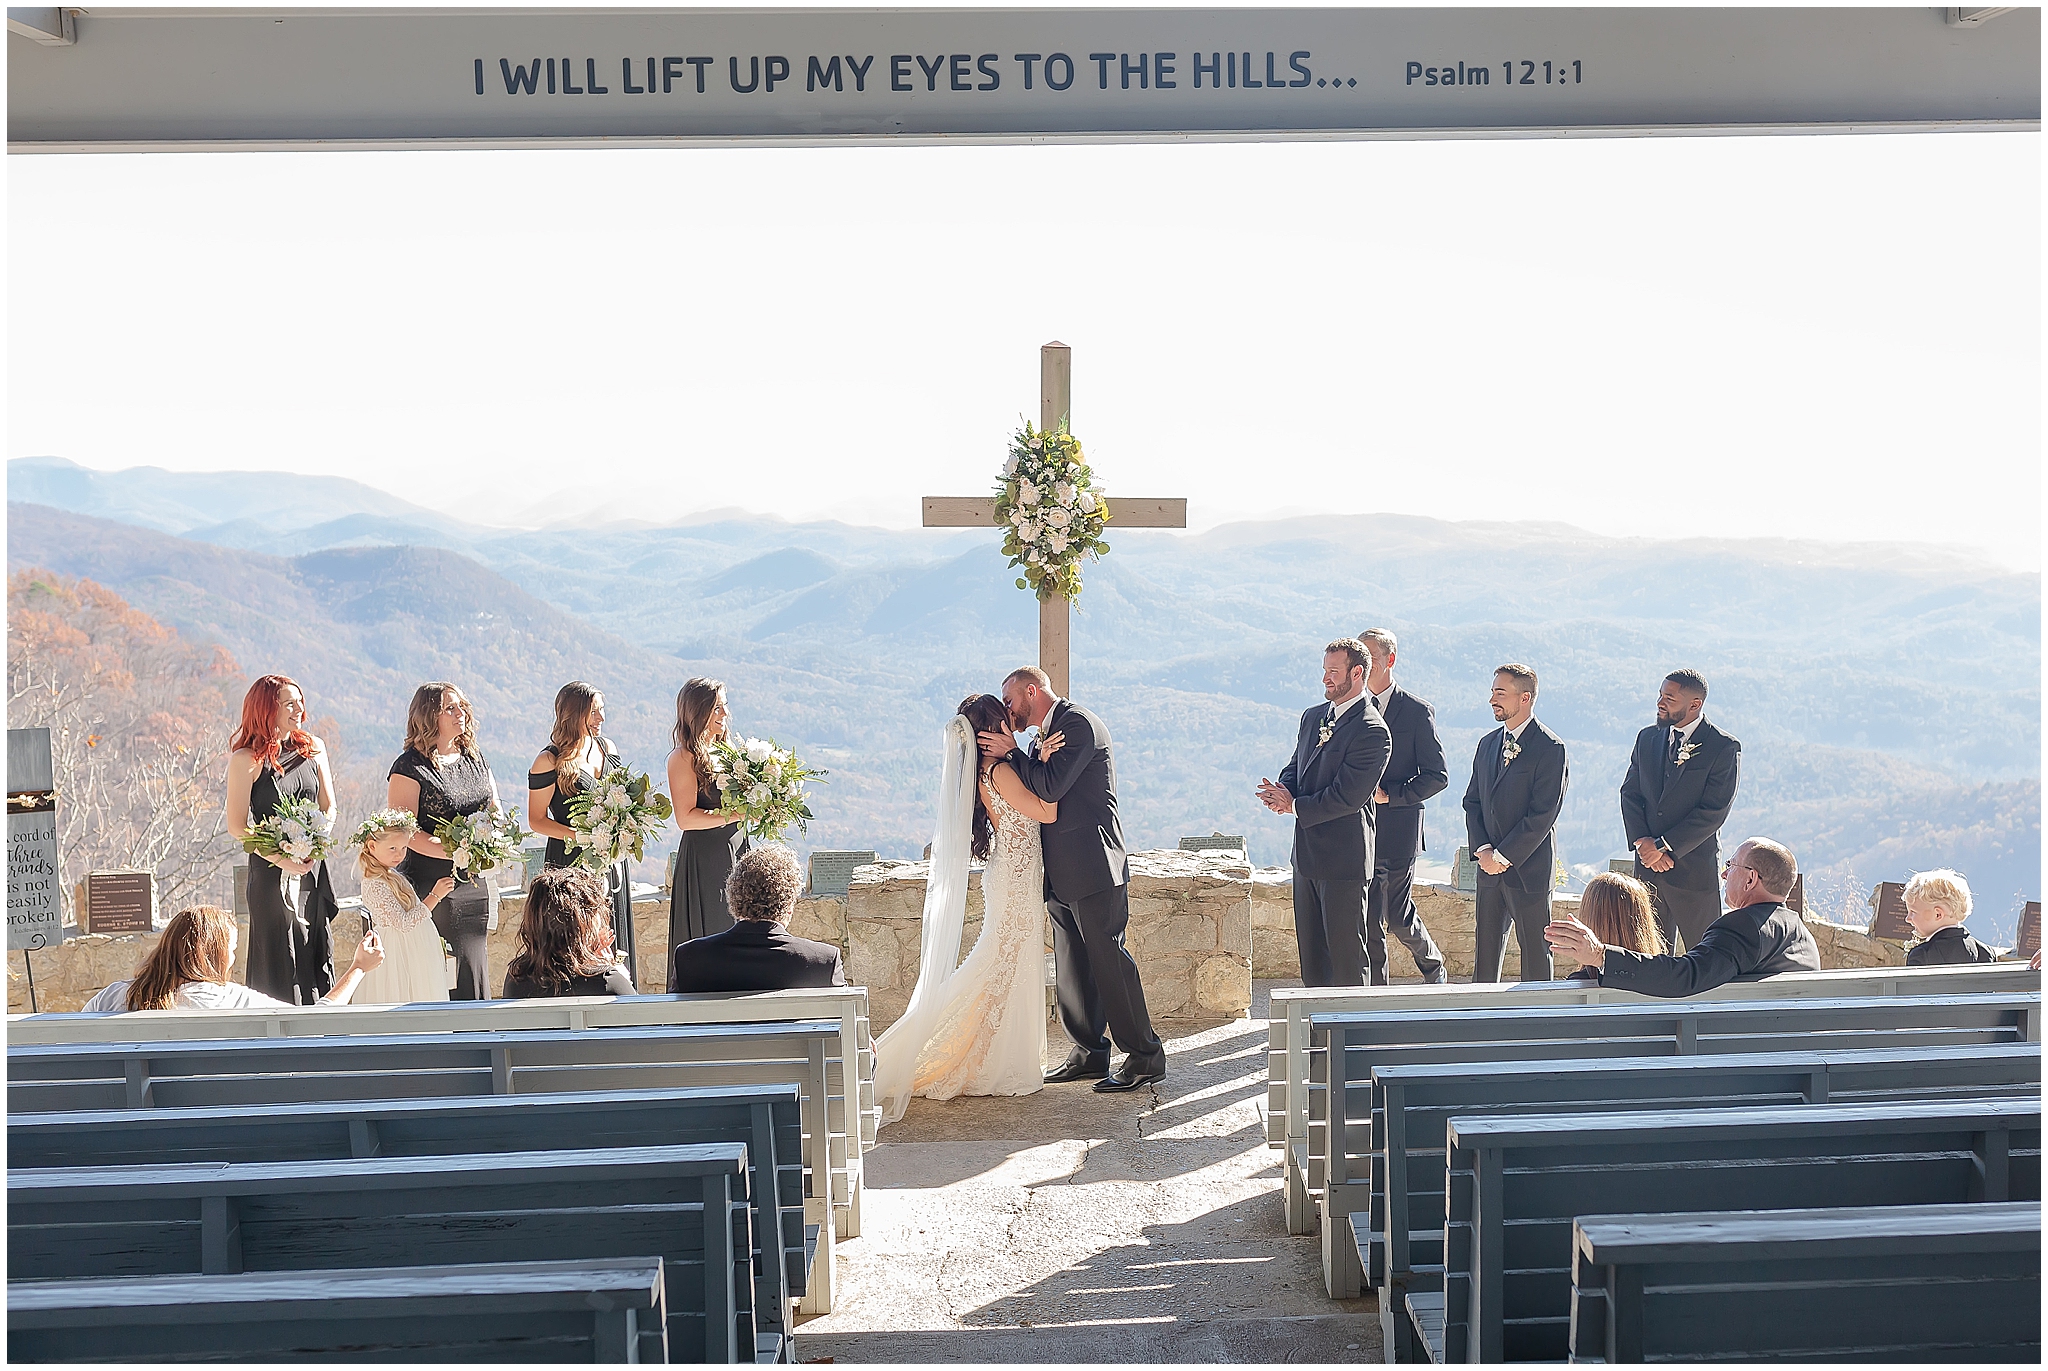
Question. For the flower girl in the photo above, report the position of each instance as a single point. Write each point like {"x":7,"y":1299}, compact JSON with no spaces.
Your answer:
{"x":414,"y":968}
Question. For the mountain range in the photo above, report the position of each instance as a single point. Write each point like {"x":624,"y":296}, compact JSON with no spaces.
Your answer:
{"x":1887,"y":697}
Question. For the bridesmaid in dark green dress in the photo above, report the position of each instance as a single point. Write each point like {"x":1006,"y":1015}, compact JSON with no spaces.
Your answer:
{"x":553,"y":782}
{"x":274,"y":758}
{"x":576,"y":754}
{"x":443,"y":773}
{"x":711,"y":843}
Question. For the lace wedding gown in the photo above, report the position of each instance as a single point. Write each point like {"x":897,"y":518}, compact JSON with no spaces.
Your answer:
{"x":973,"y":1027}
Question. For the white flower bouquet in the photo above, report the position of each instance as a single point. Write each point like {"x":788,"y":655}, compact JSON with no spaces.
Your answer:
{"x":1051,"y":514}
{"x":296,"y":832}
{"x":482,"y":841}
{"x":761,"y":785}
{"x":614,"y":815}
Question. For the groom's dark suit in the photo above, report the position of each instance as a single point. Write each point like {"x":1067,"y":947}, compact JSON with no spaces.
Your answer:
{"x":1085,"y":891}
{"x":1683,"y":807}
{"x":1332,"y":784}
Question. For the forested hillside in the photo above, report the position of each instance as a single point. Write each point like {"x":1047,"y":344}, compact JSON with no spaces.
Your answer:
{"x":1887,"y":699}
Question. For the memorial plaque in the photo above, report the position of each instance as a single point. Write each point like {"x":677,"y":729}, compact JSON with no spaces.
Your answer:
{"x":1215,"y":842}
{"x":1796,"y":901}
{"x":1888,"y":912}
{"x":1464,"y":871}
{"x":35,"y":909}
{"x":2030,"y":931}
{"x":832,"y":872}
{"x":1621,"y":866}
{"x":120,"y":902}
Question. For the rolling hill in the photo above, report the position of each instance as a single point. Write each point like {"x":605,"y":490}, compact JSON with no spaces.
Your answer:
{"x":1888,"y":699}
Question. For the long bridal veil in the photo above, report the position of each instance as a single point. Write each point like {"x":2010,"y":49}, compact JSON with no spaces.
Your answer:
{"x":945,"y":915}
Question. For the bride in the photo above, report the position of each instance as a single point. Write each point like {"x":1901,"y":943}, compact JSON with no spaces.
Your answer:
{"x":976,"y":1027}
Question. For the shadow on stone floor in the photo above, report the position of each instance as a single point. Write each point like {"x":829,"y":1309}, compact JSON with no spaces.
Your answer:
{"x":1226,"y":1285}
{"x":1215,"y":1088}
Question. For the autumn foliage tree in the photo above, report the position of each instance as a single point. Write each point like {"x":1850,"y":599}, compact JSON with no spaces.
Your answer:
{"x":139,"y":721}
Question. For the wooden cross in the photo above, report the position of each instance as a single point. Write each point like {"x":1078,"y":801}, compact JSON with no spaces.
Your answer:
{"x":1055,"y":403}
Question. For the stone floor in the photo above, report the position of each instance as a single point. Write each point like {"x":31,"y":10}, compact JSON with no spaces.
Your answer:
{"x":1073,"y":1227}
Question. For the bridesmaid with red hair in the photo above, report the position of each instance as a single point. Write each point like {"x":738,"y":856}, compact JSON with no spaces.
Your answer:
{"x":291,"y":953}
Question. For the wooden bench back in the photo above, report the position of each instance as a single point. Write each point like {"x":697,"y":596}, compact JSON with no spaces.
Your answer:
{"x":765,"y":1118}
{"x":1355,"y":1044}
{"x":1403,"y":1184}
{"x":1506,"y":1286}
{"x":1293,"y":1008}
{"x":686,"y":1205}
{"x":848,"y":1005}
{"x":1810,"y":1285}
{"x":594,"y":1311}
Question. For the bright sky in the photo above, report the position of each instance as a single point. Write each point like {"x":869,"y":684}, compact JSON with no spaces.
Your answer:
{"x":1827,"y":337}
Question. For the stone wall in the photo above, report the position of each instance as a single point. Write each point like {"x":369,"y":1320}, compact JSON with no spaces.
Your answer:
{"x":70,"y":974}
{"x":1202,"y":927}
{"x":1190,"y":931}
{"x":1843,"y":946}
{"x":1448,"y":914}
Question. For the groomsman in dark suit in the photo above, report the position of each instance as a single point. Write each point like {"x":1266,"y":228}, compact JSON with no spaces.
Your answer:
{"x":1415,"y":771}
{"x":1677,"y":794}
{"x":1340,"y":754}
{"x":1511,"y":807}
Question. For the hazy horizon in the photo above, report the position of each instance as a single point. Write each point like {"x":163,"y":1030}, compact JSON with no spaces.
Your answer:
{"x":597,"y":520}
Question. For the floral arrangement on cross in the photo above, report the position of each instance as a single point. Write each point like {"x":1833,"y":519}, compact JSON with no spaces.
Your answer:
{"x":1051,"y":514}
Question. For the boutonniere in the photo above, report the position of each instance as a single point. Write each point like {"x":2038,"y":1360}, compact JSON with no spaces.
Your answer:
{"x":1685,"y":751}
{"x":1323,"y":733}
{"x":1509,"y":748}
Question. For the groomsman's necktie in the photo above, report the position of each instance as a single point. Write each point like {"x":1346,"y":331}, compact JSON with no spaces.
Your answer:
{"x":1671,"y":754}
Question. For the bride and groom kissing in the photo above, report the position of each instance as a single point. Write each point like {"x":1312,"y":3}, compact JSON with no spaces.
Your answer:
{"x":1044,"y":823}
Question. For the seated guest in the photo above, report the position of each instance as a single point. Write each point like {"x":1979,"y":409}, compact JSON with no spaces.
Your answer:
{"x":565,"y":939}
{"x":1937,"y":902}
{"x":758,"y":952}
{"x":1758,"y":936}
{"x":192,"y":960}
{"x":1619,"y":911}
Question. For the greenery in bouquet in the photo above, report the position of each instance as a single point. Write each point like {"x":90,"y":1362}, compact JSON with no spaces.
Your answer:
{"x":761,"y":785}
{"x":614,"y":815}
{"x":482,"y":841}
{"x":1051,"y":515}
{"x":297,"y":831}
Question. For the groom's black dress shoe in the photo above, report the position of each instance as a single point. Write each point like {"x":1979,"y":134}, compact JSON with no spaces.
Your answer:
{"x":1078,"y":1067}
{"x":1129,"y":1077}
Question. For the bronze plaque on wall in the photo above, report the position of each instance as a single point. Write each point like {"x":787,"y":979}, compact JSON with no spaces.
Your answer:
{"x":1888,"y":917}
{"x":2030,"y":930}
{"x":120,"y":901}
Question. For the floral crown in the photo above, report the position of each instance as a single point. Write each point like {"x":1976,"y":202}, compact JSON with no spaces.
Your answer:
{"x":382,"y":822}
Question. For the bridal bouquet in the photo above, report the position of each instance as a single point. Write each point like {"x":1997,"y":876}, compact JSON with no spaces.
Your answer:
{"x":761,"y":785}
{"x":1051,"y":515}
{"x":615,"y":815}
{"x":296,"y":832}
{"x":482,"y":841}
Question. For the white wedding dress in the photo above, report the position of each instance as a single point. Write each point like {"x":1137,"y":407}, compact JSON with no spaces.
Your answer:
{"x":975,"y":1027}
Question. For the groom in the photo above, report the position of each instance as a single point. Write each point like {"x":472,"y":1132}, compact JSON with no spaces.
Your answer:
{"x":1085,"y":887}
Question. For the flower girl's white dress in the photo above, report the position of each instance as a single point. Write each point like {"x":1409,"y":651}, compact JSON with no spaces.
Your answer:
{"x":414,"y":966}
